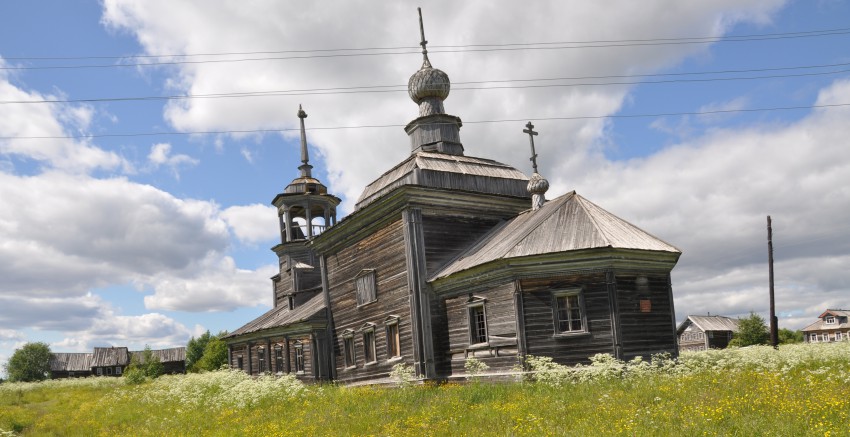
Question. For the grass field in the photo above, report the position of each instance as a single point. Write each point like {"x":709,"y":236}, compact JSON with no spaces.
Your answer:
{"x":797,"y":390}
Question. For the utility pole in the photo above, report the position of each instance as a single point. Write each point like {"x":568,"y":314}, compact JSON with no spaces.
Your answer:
{"x":774,"y":329}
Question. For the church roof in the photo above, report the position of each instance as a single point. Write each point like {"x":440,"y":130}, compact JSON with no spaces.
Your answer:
{"x":282,"y":316}
{"x":567,"y":223}
{"x":441,"y":170}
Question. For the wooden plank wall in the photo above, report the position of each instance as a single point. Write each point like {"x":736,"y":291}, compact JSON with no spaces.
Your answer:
{"x":540,"y":323}
{"x":501,"y":354}
{"x":645,"y":333}
{"x":383,"y":251}
{"x":445,"y":237}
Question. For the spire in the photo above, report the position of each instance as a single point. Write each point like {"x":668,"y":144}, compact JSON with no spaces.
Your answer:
{"x":305,"y":167}
{"x":425,"y":62}
{"x":537,"y":184}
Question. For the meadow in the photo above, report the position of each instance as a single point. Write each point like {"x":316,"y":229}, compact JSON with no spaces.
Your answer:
{"x":798,"y":390}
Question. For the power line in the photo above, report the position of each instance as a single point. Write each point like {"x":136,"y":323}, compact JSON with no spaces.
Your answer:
{"x":328,"y":53}
{"x":536,"y":119}
{"x":403,"y":88}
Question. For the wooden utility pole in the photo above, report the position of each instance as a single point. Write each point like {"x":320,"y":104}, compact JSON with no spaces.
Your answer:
{"x":774,"y":329}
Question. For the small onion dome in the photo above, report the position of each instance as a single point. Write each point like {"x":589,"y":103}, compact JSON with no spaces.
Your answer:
{"x":428,"y":82}
{"x":537,"y":184}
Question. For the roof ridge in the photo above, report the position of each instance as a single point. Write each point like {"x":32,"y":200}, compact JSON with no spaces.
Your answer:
{"x":593,"y":219}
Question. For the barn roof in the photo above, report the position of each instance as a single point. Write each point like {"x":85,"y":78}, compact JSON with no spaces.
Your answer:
{"x":170,"y":355}
{"x":710,"y":323}
{"x":70,"y":362}
{"x":567,"y":223}
{"x":282,"y":316}
{"x":110,"y":356}
{"x":441,"y":170}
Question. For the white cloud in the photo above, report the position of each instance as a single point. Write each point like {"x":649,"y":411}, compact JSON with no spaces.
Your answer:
{"x":253,"y":224}
{"x":160,"y":155}
{"x":218,"y":286}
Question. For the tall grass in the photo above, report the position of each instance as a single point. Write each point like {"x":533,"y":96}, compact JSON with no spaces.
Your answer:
{"x":797,"y":390}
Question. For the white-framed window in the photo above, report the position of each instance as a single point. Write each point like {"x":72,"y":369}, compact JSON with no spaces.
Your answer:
{"x":393,"y":339}
{"x":365,"y":288}
{"x":118,"y":370}
{"x":838,"y":336}
{"x":348,"y":349}
{"x":569,"y":312}
{"x":369,"y":353}
{"x":813,"y":338}
{"x":299,"y":357}
{"x":477,"y":321}
{"x":829,"y":320}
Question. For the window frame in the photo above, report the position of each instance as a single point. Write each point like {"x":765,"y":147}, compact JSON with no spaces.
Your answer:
{"x":391,"y":329}
{"x":290,"y":301}
{"x":99,"y":371}
{"x":583,"y":329}
{"x":838,"y":336}
{"x":477,"y":328}
{"x":829,"y":320}
{"x":369,"y":347}
{"x":240,"y":362}
{"x":278,"y":358}
{"x":349,"y":353}
{"x":118,"y":370}
{"x":299,"y":357}
{"x":261,"y":360}
{"x":365,"y":287}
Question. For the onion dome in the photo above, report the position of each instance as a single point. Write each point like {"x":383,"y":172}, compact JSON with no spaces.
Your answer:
{"x":538,"y":184}
{"x":428,"y":87}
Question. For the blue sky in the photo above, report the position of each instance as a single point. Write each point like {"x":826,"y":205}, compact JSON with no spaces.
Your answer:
{"x":150,"y":239}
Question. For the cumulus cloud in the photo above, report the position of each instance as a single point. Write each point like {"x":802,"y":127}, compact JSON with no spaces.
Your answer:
{"x":160,"y":155}
{"x":253,"y":224}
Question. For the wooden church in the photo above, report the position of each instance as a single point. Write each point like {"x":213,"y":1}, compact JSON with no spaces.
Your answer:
{"x":446,"y":257}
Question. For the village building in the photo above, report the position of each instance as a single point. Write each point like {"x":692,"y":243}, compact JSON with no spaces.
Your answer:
{"x":699,"y":333}
{"x":832,"y":325}
{"x":448,"y":257}
{"x":112,"y":361}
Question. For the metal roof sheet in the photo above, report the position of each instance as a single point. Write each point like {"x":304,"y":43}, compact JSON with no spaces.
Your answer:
{"x":282,"y":316}
{"x":567,"y":223}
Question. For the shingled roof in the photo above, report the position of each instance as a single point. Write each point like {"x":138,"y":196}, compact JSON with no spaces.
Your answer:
{"x":440,"y":170}
{"x":283,"y":316}
{"x":567,"y":223}
{"x":110,"y":356}
{"x":70,"y":362}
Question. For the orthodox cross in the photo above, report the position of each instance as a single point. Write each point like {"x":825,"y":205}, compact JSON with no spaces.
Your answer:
{"x":423,"y":43}
{"x":305,"y":158}
{"x":531,"y":134}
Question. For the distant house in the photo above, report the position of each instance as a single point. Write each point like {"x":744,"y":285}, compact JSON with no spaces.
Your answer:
{"x":832,"y":325}
{"x":111,"y":361}
{"x":70,"y":365}
{"x":699,"y":333}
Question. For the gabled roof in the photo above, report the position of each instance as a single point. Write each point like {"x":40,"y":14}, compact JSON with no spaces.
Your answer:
{"x":283,"y":316}
{"x":110,"y":356}
{"x":458,"y":172}
{"x":710,"y":323}
{"x":567,"y":223}
{"x":820,"y":324}
{"x":70,"y":362}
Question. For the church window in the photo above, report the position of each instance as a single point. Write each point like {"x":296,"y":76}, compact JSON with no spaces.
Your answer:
{"x":393,"y":339}
{"x":299,"y":357}
{"x":369,"y":345}
{"x":261,"y":360}
{"x":569,"y":312}
{"x":278,"y":358}
{"x":477,"y":323}
{"x":365,"y":287}
{"x":348,"y":349}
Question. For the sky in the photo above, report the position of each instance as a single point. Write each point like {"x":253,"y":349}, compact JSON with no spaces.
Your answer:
{"x":131,"y":215}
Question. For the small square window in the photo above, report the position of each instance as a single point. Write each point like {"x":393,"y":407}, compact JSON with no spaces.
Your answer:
{"x":569,"y":312}
{"x":118,"y":370}
{"x":99,"y":371}
{"x":369,"y":345}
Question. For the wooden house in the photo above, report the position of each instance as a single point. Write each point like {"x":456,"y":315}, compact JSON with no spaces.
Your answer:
{"x":832,"y":325}
{"x":112,"y":361}
{"x":699,"y":333}
{"x":448,"y":257}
